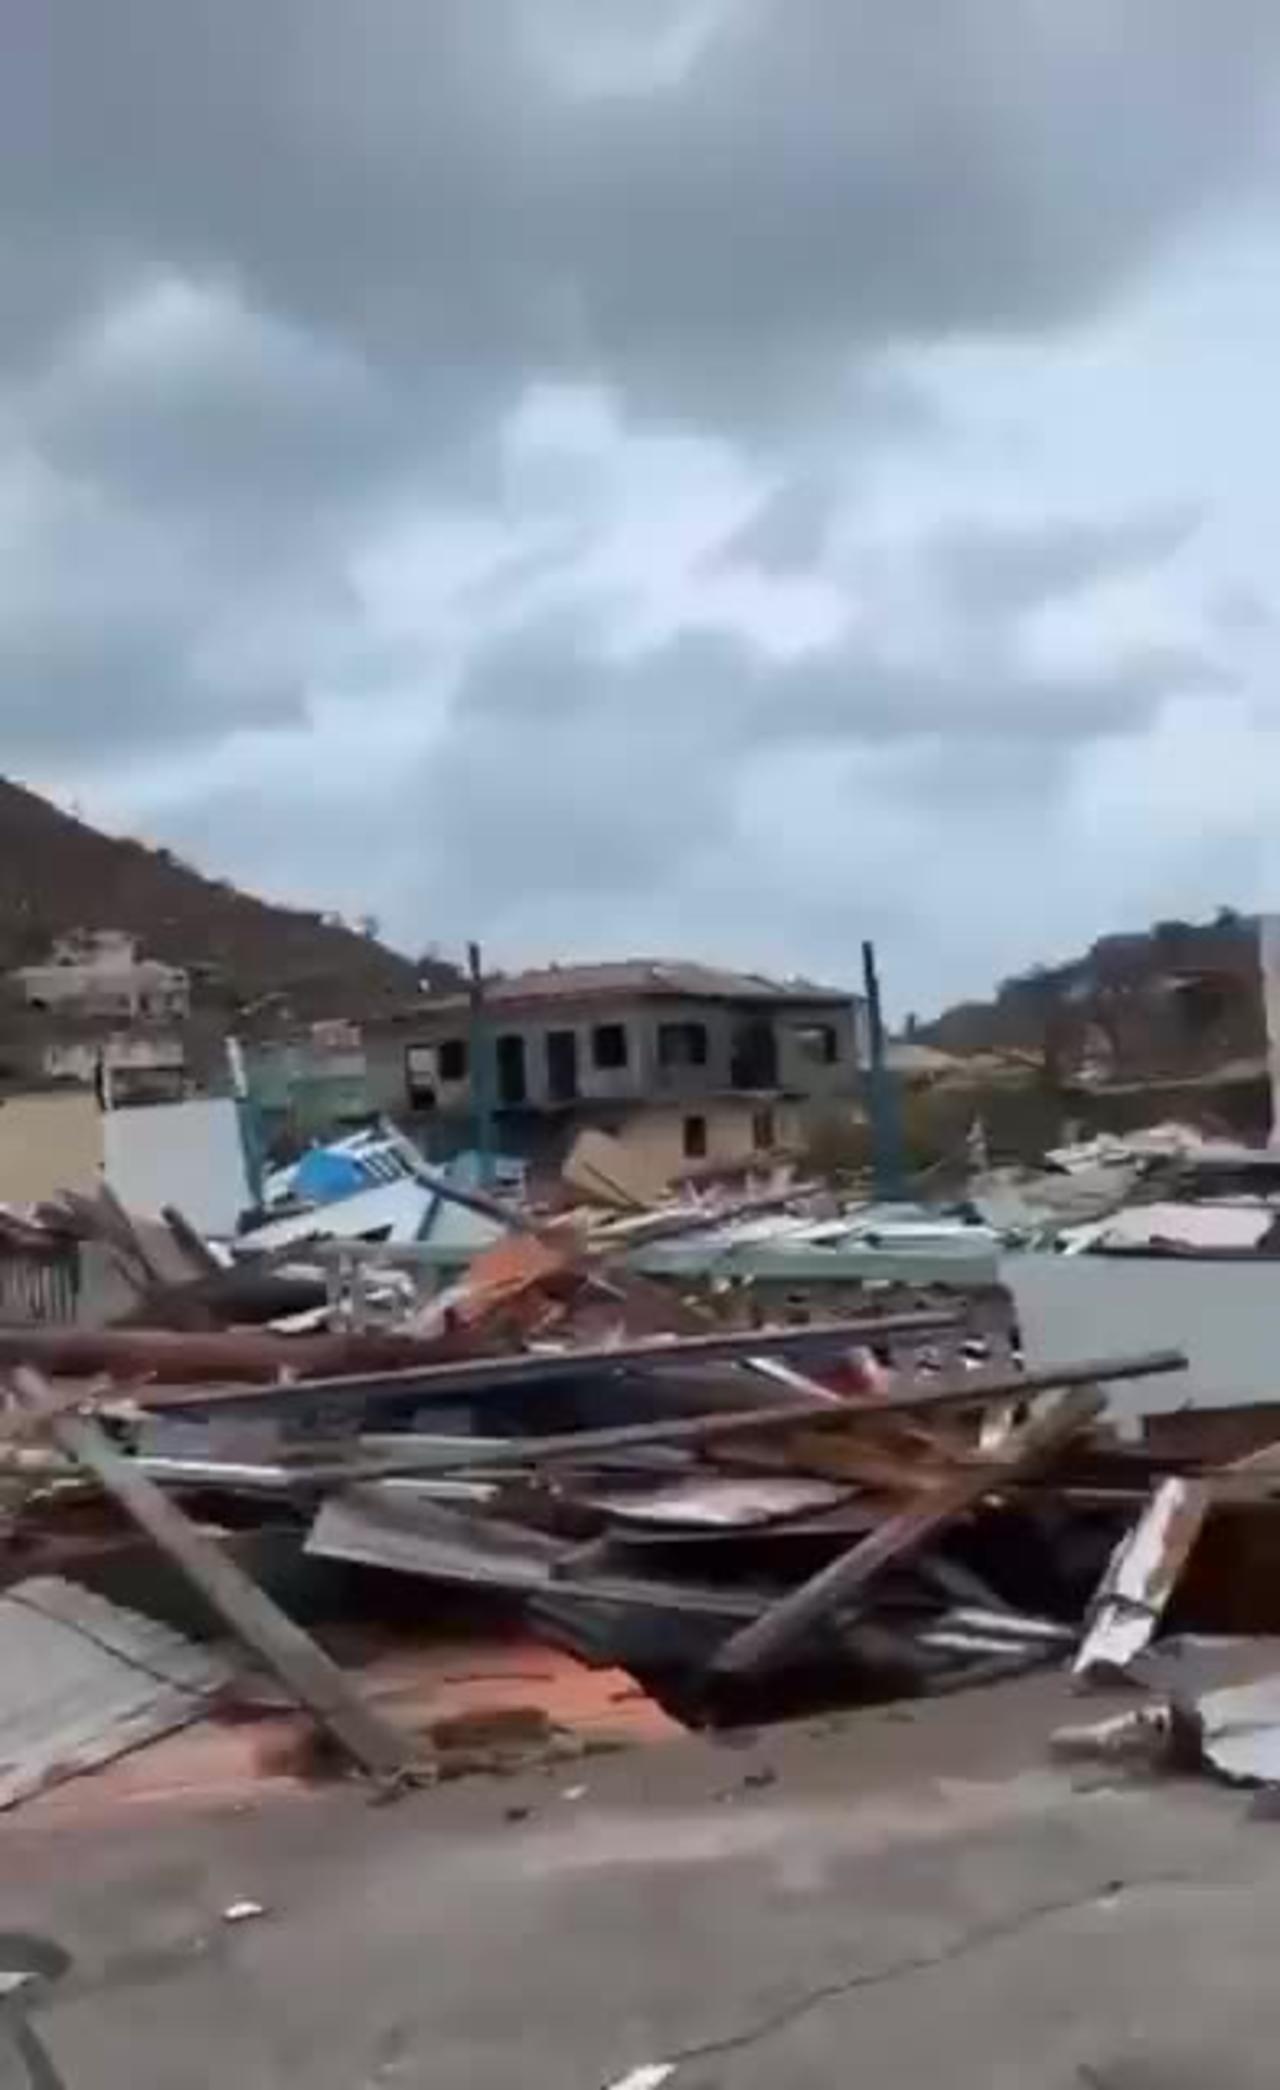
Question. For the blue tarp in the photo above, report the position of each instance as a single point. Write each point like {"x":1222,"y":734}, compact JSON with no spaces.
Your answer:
{"x":324,"y":1174}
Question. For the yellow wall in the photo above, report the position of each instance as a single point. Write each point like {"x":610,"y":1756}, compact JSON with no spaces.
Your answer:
{"x":49,"y":1143}
{"x":656,"y":1136}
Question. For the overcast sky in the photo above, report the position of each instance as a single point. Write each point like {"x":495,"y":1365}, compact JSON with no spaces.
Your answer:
{"x":708,"y":477}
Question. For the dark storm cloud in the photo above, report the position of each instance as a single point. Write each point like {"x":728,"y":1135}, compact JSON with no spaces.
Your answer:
{"x":270,"y":272}
{"x":53,"y":703}
{"x":827,"y":175}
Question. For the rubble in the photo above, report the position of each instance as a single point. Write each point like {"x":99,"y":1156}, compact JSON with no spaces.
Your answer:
{"x":746,"y":1510}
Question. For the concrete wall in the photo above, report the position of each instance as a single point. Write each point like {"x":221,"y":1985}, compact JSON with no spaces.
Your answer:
{"x":78,"y":1059}
{"x":47,"y":1144}
{"x":314,"y":1090}
{"x":655,"y":1136}
{"x":645,"y":1074}
{"x":107,"y":984}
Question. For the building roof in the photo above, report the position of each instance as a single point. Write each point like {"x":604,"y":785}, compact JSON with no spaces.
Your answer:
{"x":678,"y":977}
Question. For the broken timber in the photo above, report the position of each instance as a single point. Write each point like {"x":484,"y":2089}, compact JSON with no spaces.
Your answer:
{"x":751,"y":1422}
{"x":308,"y":1674}
{"x":1140,"y":1578}
{"x":1028,"y":1449}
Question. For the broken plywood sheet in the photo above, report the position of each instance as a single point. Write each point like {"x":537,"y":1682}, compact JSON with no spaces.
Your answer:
{"x":607,"y":1172}
{"x":83,"y":1681}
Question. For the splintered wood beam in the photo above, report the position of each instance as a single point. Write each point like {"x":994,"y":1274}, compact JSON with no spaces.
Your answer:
{"x":308,"y":1674}
{"x":1031,"y":1448}
{"x":1140,"y":1578}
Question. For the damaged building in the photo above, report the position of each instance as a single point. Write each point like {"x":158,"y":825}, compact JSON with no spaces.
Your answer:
{"x":692,"y":1068}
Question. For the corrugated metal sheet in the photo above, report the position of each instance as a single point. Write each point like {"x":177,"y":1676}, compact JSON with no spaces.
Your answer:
{"x":83,"y":1680}
{"x":38,"y":1287}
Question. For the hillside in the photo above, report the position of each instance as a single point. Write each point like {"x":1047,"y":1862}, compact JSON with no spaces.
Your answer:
{"x":57,"y":874}
{"x":1178,"y":998}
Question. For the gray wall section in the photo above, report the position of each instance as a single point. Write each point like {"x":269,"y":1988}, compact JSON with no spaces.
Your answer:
{"x":644,"y":1076}
{"x":1225,"y":1316}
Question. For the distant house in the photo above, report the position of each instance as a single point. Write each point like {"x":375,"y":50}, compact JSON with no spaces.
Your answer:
{"x":311,"y":1082}
{"x":125,"y":1067}
{"x":697,"y":1069}
{"x":99,"y":973}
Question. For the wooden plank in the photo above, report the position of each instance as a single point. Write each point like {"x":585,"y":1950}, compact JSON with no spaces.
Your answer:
{"x":899,"y":1538}
{"x":568,"y":1445}
{"x":192,"y":1243}
{"x":307,"y":1673}
{"x":425,"y":1379}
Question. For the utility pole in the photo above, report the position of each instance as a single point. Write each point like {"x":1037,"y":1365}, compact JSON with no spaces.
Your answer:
{"x":482,"y":1097}
{"x":882,"y":1102}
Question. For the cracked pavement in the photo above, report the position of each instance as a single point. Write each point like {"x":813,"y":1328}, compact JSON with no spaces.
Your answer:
{"x":913,"y":1896}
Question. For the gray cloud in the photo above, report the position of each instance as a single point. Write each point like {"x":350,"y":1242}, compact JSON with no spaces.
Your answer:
{"x":559,"y":766}
{"x":1242,"y":612}
{"x":429,"y":183}
{"x":53,"y":682}
{"x":696,"y":797}
{"x":1001,"y":571}
{"x":787,"y":534}
{"x":270,"y":290}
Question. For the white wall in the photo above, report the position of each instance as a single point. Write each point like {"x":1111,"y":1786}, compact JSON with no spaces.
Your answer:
{"x":1224,"y":1315}
{"x":186,"y":1154}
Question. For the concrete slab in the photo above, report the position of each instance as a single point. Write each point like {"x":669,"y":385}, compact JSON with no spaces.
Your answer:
{"x":904,"y":1897}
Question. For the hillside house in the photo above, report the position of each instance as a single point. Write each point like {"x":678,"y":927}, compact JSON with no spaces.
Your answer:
{"x":124,"y":1067}
{"x":695,"y":1068}
{"x":99,"y":973}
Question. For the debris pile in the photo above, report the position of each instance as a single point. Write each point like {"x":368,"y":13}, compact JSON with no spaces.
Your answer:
{"x":1164,"y":1191}
{"x":746,"y":1517}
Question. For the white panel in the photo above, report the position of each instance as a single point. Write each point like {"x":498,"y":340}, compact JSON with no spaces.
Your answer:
{"x":186,"y":1154}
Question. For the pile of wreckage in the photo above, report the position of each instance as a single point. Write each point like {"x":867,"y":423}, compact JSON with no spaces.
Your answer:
{"x":1167,"y":1190}
{"x":314,"y":1433}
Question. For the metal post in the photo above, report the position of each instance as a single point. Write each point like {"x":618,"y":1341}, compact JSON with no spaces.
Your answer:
{"x":882,"y":1103}
{"x":1269,"y":967}
{"x":482,"y":1071}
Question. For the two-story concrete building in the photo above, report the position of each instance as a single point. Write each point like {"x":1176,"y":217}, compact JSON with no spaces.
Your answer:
{"x":693,"y":1067}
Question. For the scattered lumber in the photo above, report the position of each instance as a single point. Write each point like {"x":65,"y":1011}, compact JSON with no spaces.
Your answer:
{"x":1027,"y":1450}
{"x":307,"y":1673}
{"x":220,"y":1355}
{"x":749,"y":1503}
